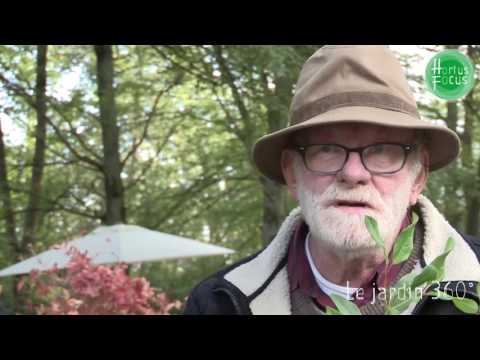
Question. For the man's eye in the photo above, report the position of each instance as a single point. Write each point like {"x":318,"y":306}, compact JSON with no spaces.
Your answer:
{"x":327,"y":149}
{"x":377,"y":149}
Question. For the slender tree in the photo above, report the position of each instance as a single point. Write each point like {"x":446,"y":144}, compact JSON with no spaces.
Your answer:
{"x":33,"y":210}
{"x":112,"y":167}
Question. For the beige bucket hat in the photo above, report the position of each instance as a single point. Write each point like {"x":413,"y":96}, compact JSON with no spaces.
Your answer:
{"x":359,"y":84}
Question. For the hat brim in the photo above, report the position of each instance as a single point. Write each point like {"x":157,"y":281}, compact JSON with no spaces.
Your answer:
{"x":443,"y":144}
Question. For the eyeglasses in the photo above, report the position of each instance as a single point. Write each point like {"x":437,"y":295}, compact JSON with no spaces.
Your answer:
{"x":329,"y":159}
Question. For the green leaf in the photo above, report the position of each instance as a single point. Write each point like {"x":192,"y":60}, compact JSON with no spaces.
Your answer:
{"x":449,"y":245}
{"x":399,"y":305}
{"x":372,"y":227}
{"x":344,"y":306}
{"x":405,"y":281}
{"x":468,"y":306}
{"x":428,"y":275}
{"x":404,"y":243}
{"x":431,"y":273}
{"x":391,"y":311}
{"x":404,"y":284}
{"x":439,"y":294}
{"x":402,"y":295}
{"x":332,"y":311}
{"x":435,"y":270}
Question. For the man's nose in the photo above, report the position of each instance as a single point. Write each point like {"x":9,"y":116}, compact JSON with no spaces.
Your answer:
{"x":354,"y":173}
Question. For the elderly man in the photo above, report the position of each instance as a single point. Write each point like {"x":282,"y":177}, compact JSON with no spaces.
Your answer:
{"x":355,"y":146}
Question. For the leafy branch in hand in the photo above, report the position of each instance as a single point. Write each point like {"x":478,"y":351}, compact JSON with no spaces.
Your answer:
{"x":411,"y":283}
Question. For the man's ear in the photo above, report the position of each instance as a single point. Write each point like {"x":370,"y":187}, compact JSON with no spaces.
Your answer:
{"x":421,"y":179}
{"x":288,"y":170}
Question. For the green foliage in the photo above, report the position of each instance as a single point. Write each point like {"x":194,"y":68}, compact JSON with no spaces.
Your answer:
{"x":404,"y":244}
{"x":434,"y":271}
{"x":409,"y":289}
{"x":189,"y":171}
{"x":372,"y":227}
{"x":441,"y":295}
{"x":403,"y":295}
{"x":344,"y":306}
{"x":331,"y":311}
{"x":468,"y":306}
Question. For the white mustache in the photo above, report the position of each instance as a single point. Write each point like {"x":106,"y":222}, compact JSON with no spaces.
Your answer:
{"x":367,"y":195}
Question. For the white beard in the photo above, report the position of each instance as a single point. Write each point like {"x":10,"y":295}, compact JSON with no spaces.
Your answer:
{"x":347,"y":233}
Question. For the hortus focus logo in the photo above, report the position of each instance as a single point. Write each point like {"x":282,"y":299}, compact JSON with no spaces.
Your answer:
{"x":450,"y":75}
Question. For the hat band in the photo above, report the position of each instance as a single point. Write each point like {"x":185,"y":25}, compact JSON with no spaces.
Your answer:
{"x":354,"y":98}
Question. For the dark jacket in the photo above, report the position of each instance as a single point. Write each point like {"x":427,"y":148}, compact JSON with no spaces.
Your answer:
{"x":236,"y":289}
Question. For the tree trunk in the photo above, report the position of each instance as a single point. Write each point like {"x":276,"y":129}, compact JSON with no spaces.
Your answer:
{"x":10,"y":224}
{"x":273,"y":209}
{"x":33,"y":209}
{"x":471,"y":196}
{"x":6,"y":198}
{"x":273,"y":193}
{"x":452,"y":115}
{"x":115,"y":209}
{"x":473,"y":215}
{"x":472,"y":187}
{"x":467,"y":150}
{"x":453,"y":209}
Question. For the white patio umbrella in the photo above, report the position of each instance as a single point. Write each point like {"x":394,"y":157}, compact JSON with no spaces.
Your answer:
{"x":119,"y":243}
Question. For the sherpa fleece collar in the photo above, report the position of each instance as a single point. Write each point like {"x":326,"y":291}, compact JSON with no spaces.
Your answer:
{"x":461,"y":264}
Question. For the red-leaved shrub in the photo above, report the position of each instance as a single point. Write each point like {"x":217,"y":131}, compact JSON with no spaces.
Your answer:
{"x":86,"y":289}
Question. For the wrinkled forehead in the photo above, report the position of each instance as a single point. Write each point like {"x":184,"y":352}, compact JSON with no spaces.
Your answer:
{"x":351,"y":134}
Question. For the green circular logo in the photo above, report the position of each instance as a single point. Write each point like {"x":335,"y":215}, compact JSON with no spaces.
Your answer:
{"x":450,"y":75}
